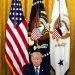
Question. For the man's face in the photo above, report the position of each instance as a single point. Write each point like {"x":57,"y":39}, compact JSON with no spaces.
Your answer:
{"x":36,"y":59}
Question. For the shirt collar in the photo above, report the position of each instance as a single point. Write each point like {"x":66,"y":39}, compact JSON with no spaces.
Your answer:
{"x":35,"y":67}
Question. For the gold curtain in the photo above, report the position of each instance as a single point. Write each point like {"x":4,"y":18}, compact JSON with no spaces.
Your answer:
{"x":26,"y":6}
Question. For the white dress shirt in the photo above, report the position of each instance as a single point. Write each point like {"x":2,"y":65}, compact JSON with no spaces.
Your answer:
{"x":38,"y":69}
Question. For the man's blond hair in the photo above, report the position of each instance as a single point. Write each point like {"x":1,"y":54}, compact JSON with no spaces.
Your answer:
{"x":36,"y":53}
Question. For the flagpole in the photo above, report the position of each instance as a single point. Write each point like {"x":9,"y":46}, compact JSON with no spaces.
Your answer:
{"x":37,"y":19}
{"x":59,"y":26}
{"x":59,"y":16}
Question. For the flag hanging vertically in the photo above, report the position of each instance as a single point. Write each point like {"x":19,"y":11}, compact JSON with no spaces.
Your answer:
{"x":38,"y":29}
{"x":16,"y":44}
{"x":60,"y":38}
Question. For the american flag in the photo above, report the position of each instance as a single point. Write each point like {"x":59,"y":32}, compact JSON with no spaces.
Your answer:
{"x":57,"y":34}
{"x":16,"y":45}
{"x":35,"y":34}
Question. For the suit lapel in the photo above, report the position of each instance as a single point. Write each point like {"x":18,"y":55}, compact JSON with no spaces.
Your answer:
{"x":32,"y":70}
{"x":41,"y":71}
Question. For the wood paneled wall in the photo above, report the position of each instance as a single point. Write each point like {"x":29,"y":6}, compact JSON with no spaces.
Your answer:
{"x":26,"y":5}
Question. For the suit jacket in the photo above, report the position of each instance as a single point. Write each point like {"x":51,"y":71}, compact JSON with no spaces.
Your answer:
{"x":29,"y":70}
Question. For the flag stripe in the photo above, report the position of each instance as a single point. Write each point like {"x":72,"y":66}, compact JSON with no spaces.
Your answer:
{"x":25,"y":51}
{"x":11,"y":63}
{"x":14,"y":63}
{"x":17,"y":43}
{"x":12,"y":58}
{"x":15,"y":47}
{"x":14,"y":54}
{"x":24,"y":30}
{"x":25,"y":23}
{"x":22,"y":37}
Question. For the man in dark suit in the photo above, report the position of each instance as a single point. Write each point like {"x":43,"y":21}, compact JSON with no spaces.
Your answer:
{"x":36,"y":67}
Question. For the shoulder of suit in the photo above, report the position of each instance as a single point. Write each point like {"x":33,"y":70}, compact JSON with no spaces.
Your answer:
{"x":26,"y":66}
{"x":45,"y":66}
